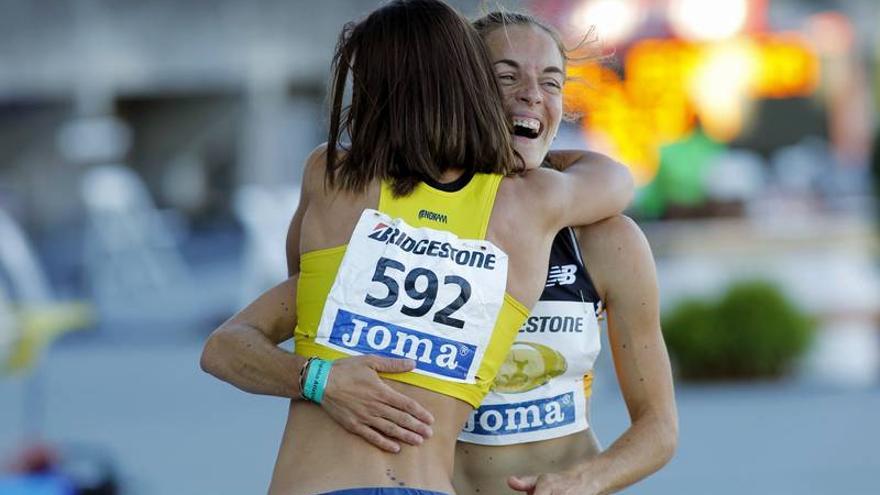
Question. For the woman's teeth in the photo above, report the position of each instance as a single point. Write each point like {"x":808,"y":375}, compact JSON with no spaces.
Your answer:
{"x":533,"y":124}
{"x":526,"y":127}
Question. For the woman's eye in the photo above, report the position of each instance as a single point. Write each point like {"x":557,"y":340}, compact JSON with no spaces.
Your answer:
{"x":506,"y":78}
{"x":553,"y":84}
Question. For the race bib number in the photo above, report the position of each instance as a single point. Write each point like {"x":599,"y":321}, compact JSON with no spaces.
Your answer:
{"x":417,"y":293}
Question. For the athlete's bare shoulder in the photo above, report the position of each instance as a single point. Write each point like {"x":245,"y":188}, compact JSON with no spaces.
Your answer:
{"x":314,"y":170}
{"x":617,"y":231}
{"x":331,"y":212}
{"x":314,"y":184}
{"x":617,"y":251}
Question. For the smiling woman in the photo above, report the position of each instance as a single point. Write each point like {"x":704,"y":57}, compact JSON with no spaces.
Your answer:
{"x":531,"y":73}
{"x":532,"y":432}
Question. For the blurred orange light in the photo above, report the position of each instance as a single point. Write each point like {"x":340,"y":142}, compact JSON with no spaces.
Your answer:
{"x":720,"y":85}
{"x":671,"y":82}
{"x":787,"y":67}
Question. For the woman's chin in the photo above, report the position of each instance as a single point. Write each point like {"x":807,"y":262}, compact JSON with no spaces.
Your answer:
{"x":531,"y":154}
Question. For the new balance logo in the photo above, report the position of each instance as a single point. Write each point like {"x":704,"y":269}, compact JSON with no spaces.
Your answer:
{"x":561,"y":275}
{"x":434,"y":217}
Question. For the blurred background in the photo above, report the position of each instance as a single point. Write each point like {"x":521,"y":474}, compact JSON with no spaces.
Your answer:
{"x":150,"y":157}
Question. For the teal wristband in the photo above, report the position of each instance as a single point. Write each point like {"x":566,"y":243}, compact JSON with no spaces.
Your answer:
{"x":316,"y":380}
{"x":309,"y":383}
{"x":321,"y":380}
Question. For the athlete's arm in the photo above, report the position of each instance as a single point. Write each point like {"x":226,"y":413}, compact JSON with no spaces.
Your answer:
{"x":622,"y":267}
{"x":244,"y":352}
{"x":605,"y":186}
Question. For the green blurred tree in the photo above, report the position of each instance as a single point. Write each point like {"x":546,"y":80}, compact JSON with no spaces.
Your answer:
{"x":753,"y":331}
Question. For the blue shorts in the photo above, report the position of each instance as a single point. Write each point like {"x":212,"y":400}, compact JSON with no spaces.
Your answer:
{"x":382,"y":491}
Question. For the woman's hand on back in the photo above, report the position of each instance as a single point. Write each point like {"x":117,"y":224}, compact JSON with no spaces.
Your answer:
{"x":244,"y":352}
{"x":359,"y":400}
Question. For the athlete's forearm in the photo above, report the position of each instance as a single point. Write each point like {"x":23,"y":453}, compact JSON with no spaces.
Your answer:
{"x":245,"y":358}
{"x":605,"y":186}
{"x":243,"y":351}
{"x":645,"y":447}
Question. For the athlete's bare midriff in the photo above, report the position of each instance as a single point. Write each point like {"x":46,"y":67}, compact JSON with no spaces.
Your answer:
{"x":318,"y":455}
{"x":484,"y":469}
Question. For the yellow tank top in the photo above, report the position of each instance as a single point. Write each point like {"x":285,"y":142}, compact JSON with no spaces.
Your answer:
{"x":465,"y":213}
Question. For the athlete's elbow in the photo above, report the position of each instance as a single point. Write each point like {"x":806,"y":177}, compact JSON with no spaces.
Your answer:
{"x":211,"y":360}
{"x":667,"y":441}
{"x":662,"y":436}
{"x":623,"y":185}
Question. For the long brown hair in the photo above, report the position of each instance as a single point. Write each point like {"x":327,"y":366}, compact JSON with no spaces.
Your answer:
{"x":423,"y":99}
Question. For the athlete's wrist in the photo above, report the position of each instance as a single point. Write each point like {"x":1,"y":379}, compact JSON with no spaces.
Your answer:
{"x":303,"y":369}
{"x":314,"y":376}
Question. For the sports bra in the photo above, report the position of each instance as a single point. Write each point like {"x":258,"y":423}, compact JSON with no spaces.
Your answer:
{"x":540,"y":392}
{"x":418,"y":280}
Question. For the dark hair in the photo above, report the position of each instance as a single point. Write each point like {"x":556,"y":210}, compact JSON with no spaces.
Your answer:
{"x":424,"y":99}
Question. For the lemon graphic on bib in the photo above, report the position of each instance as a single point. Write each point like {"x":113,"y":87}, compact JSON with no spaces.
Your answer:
{"x":527,"y":367}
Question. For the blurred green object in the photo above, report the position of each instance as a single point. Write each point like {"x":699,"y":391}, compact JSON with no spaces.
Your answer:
{"x":680,"y":179}
{"x":753,"y":331}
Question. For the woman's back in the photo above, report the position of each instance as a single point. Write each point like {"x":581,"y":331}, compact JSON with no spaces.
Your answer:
{"x":518,"y":226}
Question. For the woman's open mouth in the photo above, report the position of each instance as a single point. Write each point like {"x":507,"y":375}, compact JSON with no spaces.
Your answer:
{"x":527,"y":127}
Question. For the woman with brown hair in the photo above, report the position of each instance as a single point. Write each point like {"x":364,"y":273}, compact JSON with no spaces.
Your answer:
{"x":418,"y":242}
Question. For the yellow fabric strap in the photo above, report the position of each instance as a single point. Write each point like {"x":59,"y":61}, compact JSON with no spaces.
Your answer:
{"x":464,"y":212}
